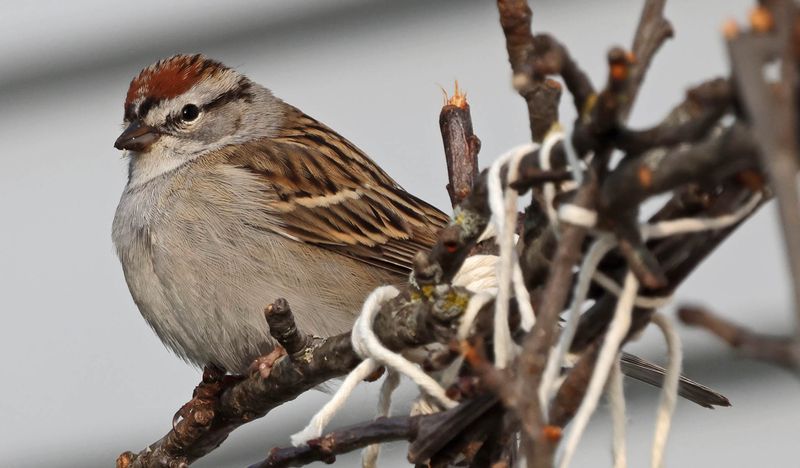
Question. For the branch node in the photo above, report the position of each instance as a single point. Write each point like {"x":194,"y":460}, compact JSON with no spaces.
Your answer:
{"x":283,"y":328}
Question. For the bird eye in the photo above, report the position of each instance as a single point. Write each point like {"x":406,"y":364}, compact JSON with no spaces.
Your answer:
{"x":189,"y":112}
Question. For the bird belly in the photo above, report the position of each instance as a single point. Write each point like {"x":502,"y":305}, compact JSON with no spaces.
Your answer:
{"x":202,"y":275}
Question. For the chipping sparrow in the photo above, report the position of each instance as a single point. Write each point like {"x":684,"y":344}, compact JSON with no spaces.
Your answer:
{"x":235,"y":198}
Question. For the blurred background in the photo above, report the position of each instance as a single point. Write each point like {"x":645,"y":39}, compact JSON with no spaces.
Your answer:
{"x":86,"y":379}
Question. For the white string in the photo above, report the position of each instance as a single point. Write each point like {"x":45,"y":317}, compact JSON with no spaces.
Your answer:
{"x":503,"y":206}
{"x":609,"y":352}
{"x":367,"y":345}
{"x":568,"y":213}
{"x":580,"y":216}
{"x":647,"y":302}
{"x":616,"y":399}
{"x":555,"y":360}
{"x":685,"y":225}
{"x":369,"y":457}
{"x":549,"y":188}
{"x":474,"y":306}
{"x":577,"y":215}
{"x":669,"y":390}
{"x":527,"y":316}
{"x":494,"y":184}
{"x":662,"y":229}
{"x":587,"y":218}
{"x":575,"y":164}
{"x":503,"y":202}
{"x":478,"y":274}
{"x":325,"y":414}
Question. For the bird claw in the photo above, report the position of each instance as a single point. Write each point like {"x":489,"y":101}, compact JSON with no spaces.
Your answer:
{"x":215,"y":381}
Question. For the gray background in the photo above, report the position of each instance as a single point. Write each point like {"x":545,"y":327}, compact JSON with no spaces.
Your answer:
{"x":84,"y":378}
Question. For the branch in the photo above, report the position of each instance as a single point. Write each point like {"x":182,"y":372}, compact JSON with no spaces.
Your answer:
{"x":611,"y":108}
{"x":570,"y":394}
{"x":772,"y":111}
{"x":541,"y":94}
{"x":709,"y":161}
{"x":404,"y":322}
{"x":344,"y":440}
{"x":423,"y":431}
{"x":539,"y":445}
{"x":680,"y":255}
{"x":552,"y":58}
{"x":688,"y":122}
{"x":652,"y":32}
{"x":461,"y":146}
{"x":783,"y":351}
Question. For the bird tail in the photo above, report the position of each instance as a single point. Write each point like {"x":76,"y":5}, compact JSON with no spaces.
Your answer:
{"x":653,"y":374}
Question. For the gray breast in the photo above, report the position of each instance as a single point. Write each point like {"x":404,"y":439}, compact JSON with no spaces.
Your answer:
{"x":202,"y":263}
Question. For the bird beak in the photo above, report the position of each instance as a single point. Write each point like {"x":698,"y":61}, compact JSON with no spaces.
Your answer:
{"x":137,"y":137}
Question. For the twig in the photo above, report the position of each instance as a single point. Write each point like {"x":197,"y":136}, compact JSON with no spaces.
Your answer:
{"x":423,"y":431}
{"x":709,"y":161}
{"x":688,"y":122}
{"x":610,"y":109}
{"x":541,"y":94}
{"x":455,"y":242}
{"x":446,"y":428}
{"x":772,"y":110}
{"x":552,"y":58}
{"x":535,"y":347}
{"x":652,"y":32}
{"x":284,"y":329}
{"x":679,"y":255}
{"x":571,"y":392}
{"x":344,"y":440}
{"x":783,"y":351}
{"x":461,"y":146}
{"x":402,"y":323}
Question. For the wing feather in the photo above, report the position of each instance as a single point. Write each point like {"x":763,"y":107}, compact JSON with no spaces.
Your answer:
{"x":324,"y":191}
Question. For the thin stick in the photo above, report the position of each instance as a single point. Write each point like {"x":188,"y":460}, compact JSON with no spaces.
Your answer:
{"x":609,"y":353}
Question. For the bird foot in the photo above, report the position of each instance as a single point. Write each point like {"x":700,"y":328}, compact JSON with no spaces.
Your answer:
{"x":205,"y":395}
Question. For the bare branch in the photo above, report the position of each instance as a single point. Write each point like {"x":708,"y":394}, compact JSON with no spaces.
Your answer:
{"x":461,"y":146}
{"x":226,"y":404}
{"x":541,"y":94}
{"x":783,"y":351}
{"x":652,"y":32}
{"x":344,"y":440}
{"x":772,"y":111}
{"x":283,"y":327}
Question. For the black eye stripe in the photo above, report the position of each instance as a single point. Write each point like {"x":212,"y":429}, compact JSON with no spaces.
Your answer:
{"x":240,"y":92}
{"x":174,"y":121}
{"x":145,"y":107}
{"x":130,"y":112}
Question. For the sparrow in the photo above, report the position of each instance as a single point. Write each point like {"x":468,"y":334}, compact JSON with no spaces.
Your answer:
{"x":235,"y":198}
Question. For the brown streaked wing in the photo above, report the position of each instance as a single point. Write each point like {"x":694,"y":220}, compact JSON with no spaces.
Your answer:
{"x":329,"y":193}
